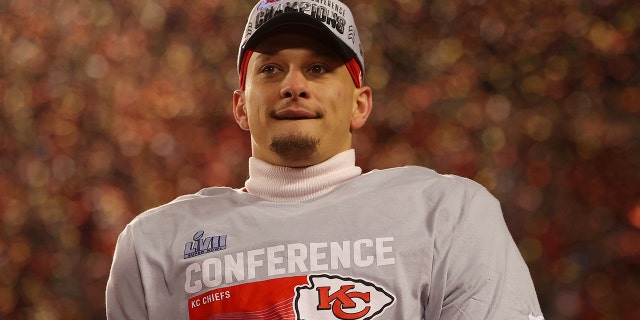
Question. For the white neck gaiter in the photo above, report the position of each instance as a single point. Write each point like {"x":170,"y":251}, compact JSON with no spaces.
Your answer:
{"x":285,"y":184}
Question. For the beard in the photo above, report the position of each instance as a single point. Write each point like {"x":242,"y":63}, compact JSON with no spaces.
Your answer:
{"x":294,"y":148}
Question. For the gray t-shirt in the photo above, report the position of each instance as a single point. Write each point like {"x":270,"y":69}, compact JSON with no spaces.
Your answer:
{"x":403,"y":243}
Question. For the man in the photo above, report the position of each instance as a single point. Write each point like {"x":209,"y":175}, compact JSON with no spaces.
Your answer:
{"x":309,"y":236}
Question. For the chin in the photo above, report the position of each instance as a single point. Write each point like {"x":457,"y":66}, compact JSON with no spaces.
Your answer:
{"x":295,"y":148}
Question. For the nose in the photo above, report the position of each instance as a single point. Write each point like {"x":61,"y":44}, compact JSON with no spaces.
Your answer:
{"x":294,"y":85}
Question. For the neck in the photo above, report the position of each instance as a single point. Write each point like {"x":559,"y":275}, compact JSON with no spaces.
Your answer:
{"x":286,"y":184}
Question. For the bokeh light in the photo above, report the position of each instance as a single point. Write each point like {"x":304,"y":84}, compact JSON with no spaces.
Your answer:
{"x":109,"y":108}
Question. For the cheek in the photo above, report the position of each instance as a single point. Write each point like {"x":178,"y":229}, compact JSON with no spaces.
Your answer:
{"x":254,"y":119}
{"x":343,"y":104}
{"x":255,"y":107}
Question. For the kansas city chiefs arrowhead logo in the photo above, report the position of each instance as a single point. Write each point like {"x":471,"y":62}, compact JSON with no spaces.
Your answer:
{"x":333,"y":297}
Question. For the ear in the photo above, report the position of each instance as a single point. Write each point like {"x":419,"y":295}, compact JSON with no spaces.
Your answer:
{"x":361,"y":107}
{"x":240,"y":110}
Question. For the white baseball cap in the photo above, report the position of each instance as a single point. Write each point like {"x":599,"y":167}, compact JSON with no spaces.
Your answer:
{"x":330,"y":17}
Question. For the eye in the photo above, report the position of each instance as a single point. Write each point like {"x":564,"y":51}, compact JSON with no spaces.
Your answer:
{"x":268,"y":69}
{"x":318,"y":69}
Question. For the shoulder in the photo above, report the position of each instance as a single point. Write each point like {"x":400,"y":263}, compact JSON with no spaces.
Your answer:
{"x":182,"y":205}
{"x":422,"y":178}
{"x":448,"y":199}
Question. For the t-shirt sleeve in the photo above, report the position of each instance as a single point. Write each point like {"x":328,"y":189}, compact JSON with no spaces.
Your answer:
{"x":486,"y":276}
{"x":125,"y":297}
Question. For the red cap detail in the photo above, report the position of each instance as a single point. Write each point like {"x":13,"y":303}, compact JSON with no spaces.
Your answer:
{"x":243,"y":68}
{"x":355,"y":71}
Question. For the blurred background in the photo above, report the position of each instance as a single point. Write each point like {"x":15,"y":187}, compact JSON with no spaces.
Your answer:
{"x":109,"y":108}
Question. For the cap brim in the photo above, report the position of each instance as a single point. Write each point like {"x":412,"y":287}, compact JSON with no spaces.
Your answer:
{"x":294,"y":22}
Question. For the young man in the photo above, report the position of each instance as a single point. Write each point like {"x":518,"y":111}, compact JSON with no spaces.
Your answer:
{"x":310,"y":237}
